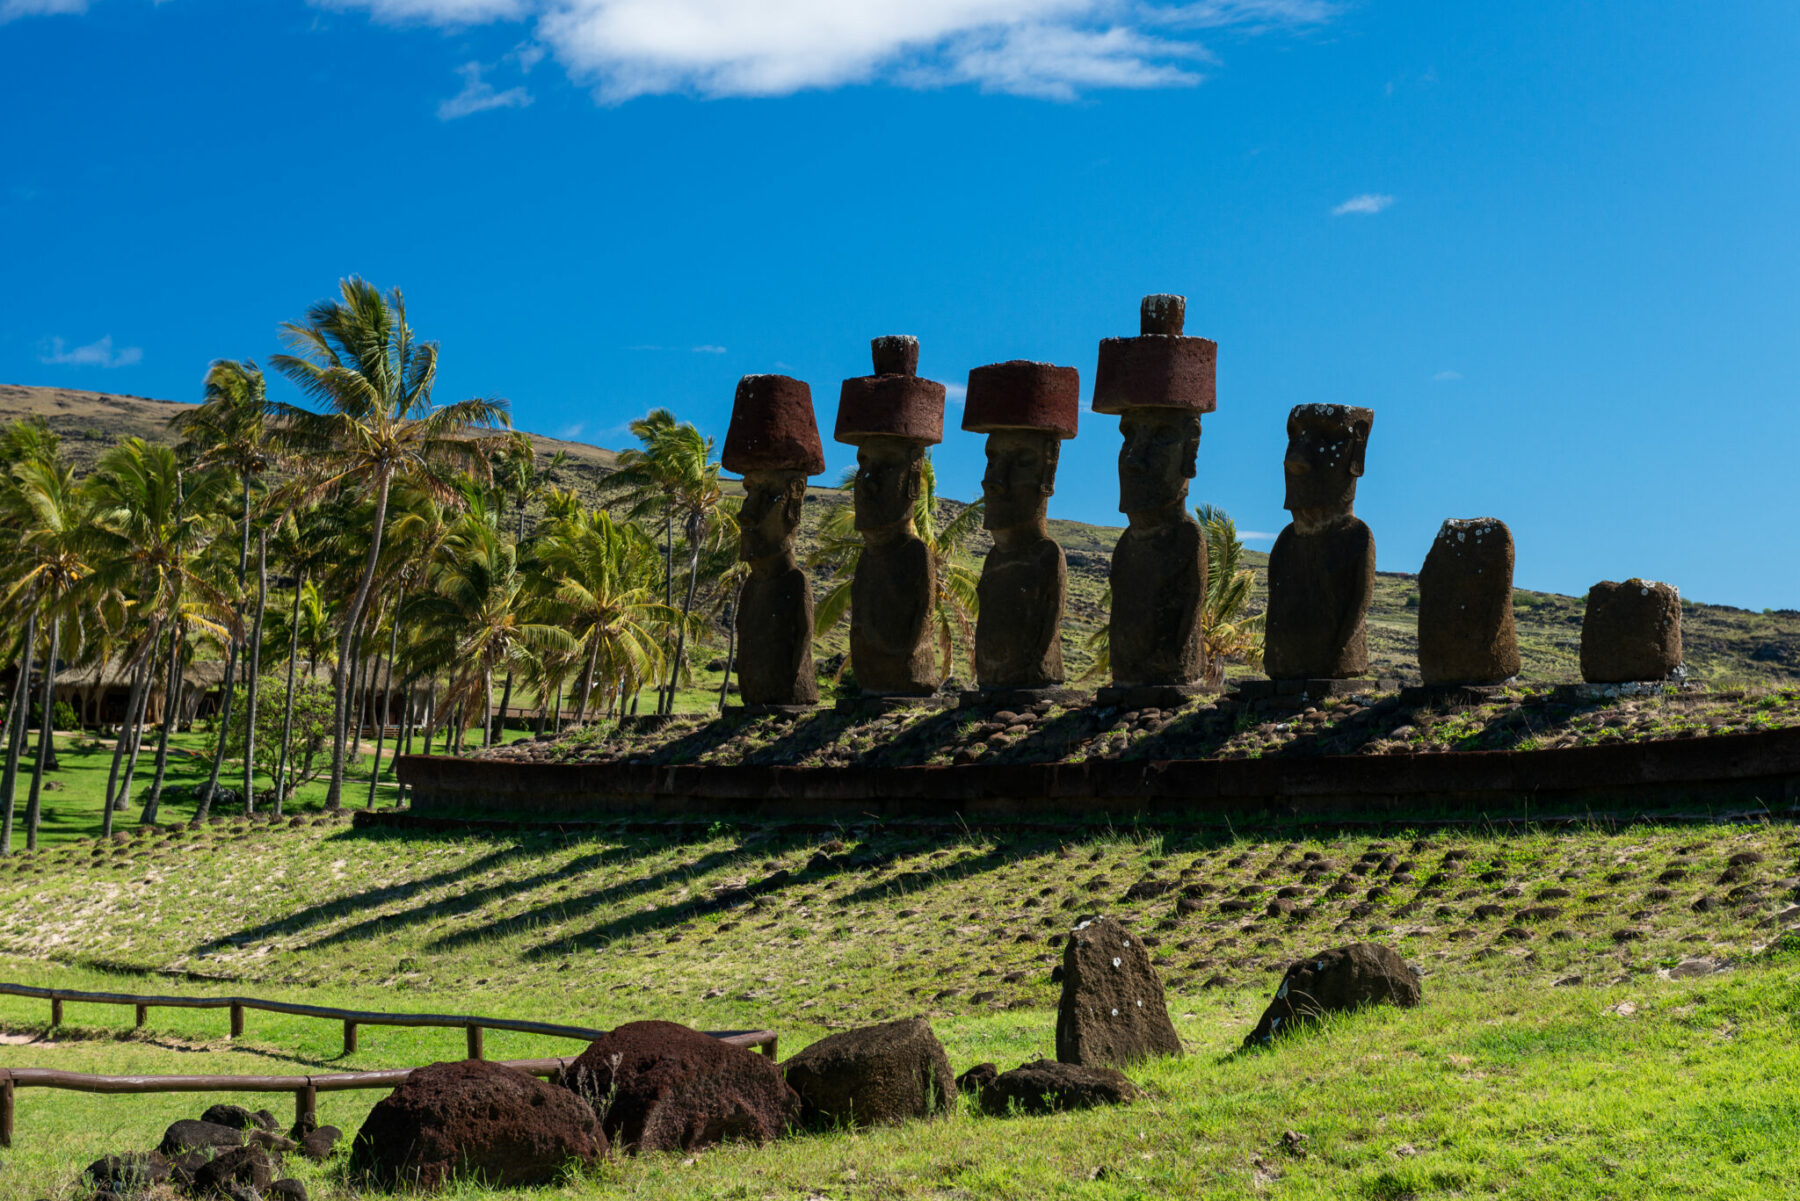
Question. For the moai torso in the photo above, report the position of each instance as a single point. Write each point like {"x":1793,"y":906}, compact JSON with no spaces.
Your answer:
{"x":1158,"y":587}
{"x":1017,"y":632}
{"x":891,"y":646}
{"x":774,"y":630}
{"x":1466,"y":633}
{"x":1320,"y":586}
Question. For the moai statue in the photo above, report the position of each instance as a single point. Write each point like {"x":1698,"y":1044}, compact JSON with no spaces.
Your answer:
{"x":891,"y":417}
{"x":1322,"y":569}
{"x":1631,"y":632}
{"x":774,"y":444}
{"x":1466,"y":631}
{"x":1026,"y":410}
{"x":1158,"y":384}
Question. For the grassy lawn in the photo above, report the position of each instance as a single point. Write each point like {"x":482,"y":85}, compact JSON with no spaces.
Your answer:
{"x":1555,"y":1058}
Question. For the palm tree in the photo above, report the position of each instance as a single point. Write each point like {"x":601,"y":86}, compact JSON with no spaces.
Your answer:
{"x":955,"y":604}
{"x":358,"y":357}
{"x":1227,"y":632}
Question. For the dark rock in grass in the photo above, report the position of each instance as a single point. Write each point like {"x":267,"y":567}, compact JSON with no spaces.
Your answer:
{"x":1337,"y":981}
{"x":271,"y":1142}
{"x":184,"y":1167}
{"x":872,"y":1076}
{"x":1744,"y":859}
{"x":189,"y":1135}
{"x":1112,"y":1010}
{"x":239,"y":1118}
{"x":977,"y":1078}
{"x":129,"y":1172}
{"x":237,"y":1165}
{"x":1483,"y":912}
{"x":1539,"y":913}
{"x":1049,"y":1087}
{"x":475,"y":1119}
{"x":664,"y":1087}
{"x":287,"y":1190}
{"x":317,"y":1145}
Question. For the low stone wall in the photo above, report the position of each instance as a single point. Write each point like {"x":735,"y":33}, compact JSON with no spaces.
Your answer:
{"x":1735,"y":771}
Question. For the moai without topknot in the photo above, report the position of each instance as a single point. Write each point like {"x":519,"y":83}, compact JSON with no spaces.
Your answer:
{"x":1322,"y":569}
{"x":773,"y":442}
{"x":1158,"y":384}
{"x":1631,"y":632}
{"x":891,"y":417}
{"x":1026,"y":410}
{"x":1466,"y":633}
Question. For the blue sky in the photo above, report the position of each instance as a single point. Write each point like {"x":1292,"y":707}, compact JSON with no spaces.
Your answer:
{"x":1556,"y":247}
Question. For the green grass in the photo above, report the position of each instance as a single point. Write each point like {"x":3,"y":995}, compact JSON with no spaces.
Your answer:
{"x":1628,"y":1084}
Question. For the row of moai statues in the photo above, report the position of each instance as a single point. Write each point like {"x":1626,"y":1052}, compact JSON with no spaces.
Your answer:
{"x":1321,"y":574}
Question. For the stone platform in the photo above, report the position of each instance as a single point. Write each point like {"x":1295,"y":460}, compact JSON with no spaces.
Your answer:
{"x":1022,"y":698}
{"x":1265,"y":690}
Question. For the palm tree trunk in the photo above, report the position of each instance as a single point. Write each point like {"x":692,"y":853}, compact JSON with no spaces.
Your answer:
{"x":171,"y":715}
{"x":687,"y":605}
{"x":387,"y":698}
{"x":46,"y":736}
{"x":287,"y":709}
{"x":587,"y":681}
{"x":212,"y":778}
{"x":15,"y":732}
{"x":730,"y":645}
{"x":487,"y":706}
{"x":151,"y":661}
{"x":556,"y":722}
{"x":254,"y":678}
{"x":140,"y":677}
{"x":335,"y":791}
{"x":505,"y":700}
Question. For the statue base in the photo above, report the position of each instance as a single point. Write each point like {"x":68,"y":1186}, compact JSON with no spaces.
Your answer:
{"x":876,"y":706}
{"x":1266,"y":690}
{"x":1021,"y":698}
{"x":1606,"y":692}
{"x":1449,"y":696}
{"x":1147,"y":696}
{"x":768,"y":710}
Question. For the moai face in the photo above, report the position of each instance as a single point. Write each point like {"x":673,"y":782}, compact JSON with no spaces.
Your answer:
{"x":888,"y":481}
{"x":1157,"y":458}
{"x":1325,"y":451}
{"x":771,"y":514}
{"x":1021,"y":475}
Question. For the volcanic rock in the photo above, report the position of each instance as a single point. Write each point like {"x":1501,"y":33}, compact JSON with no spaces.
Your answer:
{"x":1466,"y":633}
{"x":1630,"y":632}
{"x":1112,"y":1011}
{"x":873,"y":1075}
{"x":1046,"y":1086}
{"x":1336,"y":981}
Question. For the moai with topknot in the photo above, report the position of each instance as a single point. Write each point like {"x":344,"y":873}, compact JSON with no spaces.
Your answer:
{"x":1466,"y":633}
{"x":891,"y":417}
{"x":773,"y":442}
{"x":1322,"y":568}
{"x":1158,"y":384}
{"x":1026,"y":410}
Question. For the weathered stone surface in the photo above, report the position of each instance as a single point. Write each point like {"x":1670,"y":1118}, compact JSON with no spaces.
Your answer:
{"x":1466,"y":633}
{"x":479,"y":1120}
{"x":891,"y":645}
{"x":977,"y":1078}
{"x":772,"y":427}
{"x":1322,"y":567}
{"x":1046,"y":1086}
{"x":874,"y":1075}
{"x":1112,"y":1012}
{"x":239,"y":1118}
{"x":895,"y":354}
{"x":1631,"y":631}
{"x":1337,"y":981}
{"x":287,"y":1190}
{"x":1160,"y":368}
{"x":891,"y":403}
{"x":247,"y":1166}
{"x":133,"y":1171}
{"x":775,"y":609}
{"x":661,"y":1086}
{"x":318,"y":1144}
{"x":1023,"y":395}
{"x":189,"y":1135}
{"x":1025,"y":579}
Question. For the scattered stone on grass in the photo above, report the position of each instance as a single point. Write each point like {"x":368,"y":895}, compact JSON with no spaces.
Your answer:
{"x":190,"y":1135}
{"x":131,"y":1171}
{"x":872,"y":1076}
{"x":1112,"y":1011}
{"x":1048,"y":1086}
{"x":1336,"y":981}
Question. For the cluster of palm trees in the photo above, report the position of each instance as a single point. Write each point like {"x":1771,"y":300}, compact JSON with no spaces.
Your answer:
{"x":373,"y":535}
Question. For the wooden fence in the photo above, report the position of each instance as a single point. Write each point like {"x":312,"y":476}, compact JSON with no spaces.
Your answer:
{"x":304,"y":1089}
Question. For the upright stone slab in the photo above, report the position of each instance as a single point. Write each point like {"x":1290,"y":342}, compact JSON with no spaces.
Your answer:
{"x":1112,"y":1012}
{"x":891,"y":417}
{"x":1158,"y":384}
{"x":1466,"y":633}
{"x":1322,"y":568}
{"x":773,"y":442}
{"x":1026,"y":410}
{"x":1631,"y":632}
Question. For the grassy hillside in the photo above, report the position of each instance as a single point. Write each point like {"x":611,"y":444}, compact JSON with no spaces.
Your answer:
{"x":1724,"y":645}
{"x":1621,"y":1025}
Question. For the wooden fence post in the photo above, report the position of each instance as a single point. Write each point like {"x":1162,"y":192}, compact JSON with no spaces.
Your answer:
{"x":349,"y":1037}
{"x":237,"y":1021}
{"x":6,"y":1108}
{"x":143,"y":1015}
{"x":306,"y":1107}
{"x":55,"y":1011}
{"x":474,"y":1033}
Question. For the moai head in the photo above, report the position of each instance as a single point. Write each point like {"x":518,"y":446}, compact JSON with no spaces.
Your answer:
{"x":1326,"y":444}
{"x":890,"y":417}
{"x":1159,"y":383}
{"x":1026,"y":409}
{"x":773,"y":443}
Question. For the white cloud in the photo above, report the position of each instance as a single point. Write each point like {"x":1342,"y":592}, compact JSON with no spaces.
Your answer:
{"x":94,"y":354}
{"x":12,"y":10}
{"x":478,"y":96}
{"x":1444,"y":377}
{"x":955,"y":393}
{"x":1256,"y":536}
{"x":709,"y":350}
{"x":1367,"y":205}
{"x":1047,"y":48}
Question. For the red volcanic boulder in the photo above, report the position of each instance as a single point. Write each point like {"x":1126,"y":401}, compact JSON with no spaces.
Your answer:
{"x":772,"y":427}
{"x":1046,"y":1086}
{"x":660,"y":1086}
{"x":479,"y":1120}
{"x":1466,"y":633}
{"x":1112,"y":1011}
{"x":894,"y":402}
{"x":1631,"y":632}
{"x":1022,"y":395}
{"x":878,"y":1074}
{"x":1159,"y":369}
{"x":1336,"y":981}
